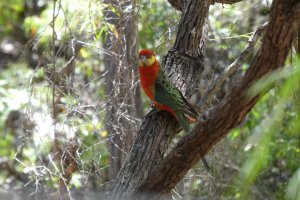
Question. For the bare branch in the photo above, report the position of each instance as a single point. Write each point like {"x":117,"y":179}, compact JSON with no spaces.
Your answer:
{"x":69,"y":165}
{"x":276,"y":44}
{"x":157,"y":130}
{"x":123,"y":100}
{"x":177,"y":4}
{"x":232,"y":68}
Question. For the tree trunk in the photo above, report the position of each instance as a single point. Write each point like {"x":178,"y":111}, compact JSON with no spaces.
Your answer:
{"x":146,"y":170}
{"x":124,"y":106}
{"x":183,"y":65}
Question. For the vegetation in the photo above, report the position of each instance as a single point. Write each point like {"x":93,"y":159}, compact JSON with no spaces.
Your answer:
{"x":53,"y":101}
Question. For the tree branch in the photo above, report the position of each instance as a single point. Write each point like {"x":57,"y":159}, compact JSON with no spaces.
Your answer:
{"x":276,"y":44}
{"x":232,"y":68}
{"x":180,"y":4}
{"x":177,"y":4}
{"x":157,"y":130}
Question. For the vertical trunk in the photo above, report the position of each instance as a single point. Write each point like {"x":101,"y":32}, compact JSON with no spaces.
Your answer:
{"x":183,"y":65}
{"x":124,"y":106}
{"x":146,"y":168}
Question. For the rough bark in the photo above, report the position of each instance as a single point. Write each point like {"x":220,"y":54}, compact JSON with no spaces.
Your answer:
{"x":183,"y":66}
{"x":177,"y":4}
{"x":276,"y":44}
{"x":124,"y":105}
{"x":145,"y":169}
{"x":180,"y":4}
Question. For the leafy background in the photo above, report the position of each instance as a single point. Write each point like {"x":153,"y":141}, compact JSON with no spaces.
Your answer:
{"x":258,"y":160}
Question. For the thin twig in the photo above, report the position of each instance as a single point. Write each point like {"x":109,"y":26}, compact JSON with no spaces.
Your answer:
{"x":232,"y":68}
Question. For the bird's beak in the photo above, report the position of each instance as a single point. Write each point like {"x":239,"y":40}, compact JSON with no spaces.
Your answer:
{"x":143,"y":59}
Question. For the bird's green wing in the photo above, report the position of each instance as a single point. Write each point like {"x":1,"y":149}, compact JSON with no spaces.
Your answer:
{"x":166,"y":93}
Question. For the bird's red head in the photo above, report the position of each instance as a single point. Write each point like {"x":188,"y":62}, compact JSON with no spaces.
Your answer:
{"x":146,"y":58}
{"x":146,"y":52}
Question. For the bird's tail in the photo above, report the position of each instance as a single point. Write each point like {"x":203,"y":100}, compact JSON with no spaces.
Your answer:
{"x":185,"y":123}
{"x":190,"y":110}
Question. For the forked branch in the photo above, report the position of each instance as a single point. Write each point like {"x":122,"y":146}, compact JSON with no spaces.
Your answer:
{"x":276,"y":44}
{"x":232,"y":68}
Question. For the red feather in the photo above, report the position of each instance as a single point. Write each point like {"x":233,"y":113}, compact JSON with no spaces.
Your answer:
{"x":148,"y":76}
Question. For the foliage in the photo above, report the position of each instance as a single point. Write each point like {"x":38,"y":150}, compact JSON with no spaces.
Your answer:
{"x":272,"y":146}
{"x":157,"y":22}
{"x":257,"y":160}
{"x":10,"y":15}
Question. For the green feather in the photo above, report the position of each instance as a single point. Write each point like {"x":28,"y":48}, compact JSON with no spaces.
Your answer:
{"x":166,"y":93}
{"x":183,"y":121}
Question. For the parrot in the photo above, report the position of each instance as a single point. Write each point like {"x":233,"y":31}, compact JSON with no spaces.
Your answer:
{"x":164,"y":94}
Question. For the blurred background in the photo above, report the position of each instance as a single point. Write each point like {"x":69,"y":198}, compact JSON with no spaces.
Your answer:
{"x":67,"y":114}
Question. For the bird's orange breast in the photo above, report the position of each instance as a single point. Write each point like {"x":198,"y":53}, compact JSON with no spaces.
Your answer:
{"x":148,"y":76}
